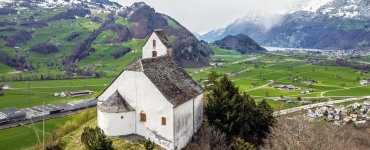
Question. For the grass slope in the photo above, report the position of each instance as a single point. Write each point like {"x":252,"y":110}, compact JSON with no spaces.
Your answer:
{"x":24,"y":136}
{"x":42,"y":91}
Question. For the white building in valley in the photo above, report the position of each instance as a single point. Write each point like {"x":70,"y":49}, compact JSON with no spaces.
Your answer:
{"x":153,"y":98}
{"x":365,"y":82}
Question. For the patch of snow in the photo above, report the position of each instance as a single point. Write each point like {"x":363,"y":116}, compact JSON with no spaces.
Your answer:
{"x":312,"y":5}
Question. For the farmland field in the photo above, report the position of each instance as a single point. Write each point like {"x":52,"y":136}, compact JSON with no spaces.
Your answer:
{"x":255,"y":74}
{"x":258,"y":75}
{"x":25,"y":94}
{"x":25,"y":136}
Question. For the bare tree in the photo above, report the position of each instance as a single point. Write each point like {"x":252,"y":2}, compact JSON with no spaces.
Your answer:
{"x":300,"y":133}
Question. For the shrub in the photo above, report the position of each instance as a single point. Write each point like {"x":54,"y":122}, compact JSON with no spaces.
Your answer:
{"x":45,"y":48}
{"x":21,"y":36}
{"x":95,"y":139}
{"x":97,"y":19}
{"x":240,"y":144}
{"x":72,"y":36}
{"x":208,"y":138}
{"x":121,"y":52}
{"x":149,"y":145}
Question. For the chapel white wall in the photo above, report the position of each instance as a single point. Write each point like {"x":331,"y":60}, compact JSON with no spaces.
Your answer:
{"x":116,"y":124}
{"x":148,"y":47}
{"x":198,"y":111}
{"x":185,"y":115}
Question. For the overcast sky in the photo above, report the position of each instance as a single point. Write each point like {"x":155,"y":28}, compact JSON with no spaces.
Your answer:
{"x":204,"y":15}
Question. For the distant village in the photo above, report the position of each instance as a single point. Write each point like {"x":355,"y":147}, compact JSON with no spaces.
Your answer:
{"x":334,"y":54}
{"x":357,"y":113}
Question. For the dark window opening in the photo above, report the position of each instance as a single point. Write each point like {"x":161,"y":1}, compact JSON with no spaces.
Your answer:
{"x":154,"y":43}
{"x":164,"y":122}
{"x":154,"y":54}
{"x":142,"y":117}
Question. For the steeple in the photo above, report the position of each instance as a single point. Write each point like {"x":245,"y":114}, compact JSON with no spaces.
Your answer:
{"x":157,"y":45}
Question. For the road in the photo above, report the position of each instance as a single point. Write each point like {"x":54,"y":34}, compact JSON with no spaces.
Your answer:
{"x":300,"y":108}
{"x":271,"y":82}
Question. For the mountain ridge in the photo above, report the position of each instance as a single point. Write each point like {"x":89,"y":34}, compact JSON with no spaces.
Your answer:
{"x":332,"y":24}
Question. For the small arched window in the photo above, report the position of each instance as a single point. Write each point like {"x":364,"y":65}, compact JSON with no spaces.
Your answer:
{"x":154,"y":43}
{"x":154,"y":53}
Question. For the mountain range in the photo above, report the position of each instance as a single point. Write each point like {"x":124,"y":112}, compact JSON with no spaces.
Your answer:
{"x":87,"y":36}
{"x":326,"y":24}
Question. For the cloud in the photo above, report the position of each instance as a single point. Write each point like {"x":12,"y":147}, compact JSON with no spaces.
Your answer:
{"x":205,"y":15}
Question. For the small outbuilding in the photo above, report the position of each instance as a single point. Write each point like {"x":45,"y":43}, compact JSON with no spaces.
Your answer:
{"x":12,"y":113}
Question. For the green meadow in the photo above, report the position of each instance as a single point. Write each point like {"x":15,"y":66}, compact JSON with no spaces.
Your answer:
{"x":25,"y":136}
{"x":32,"y":93}
{"x":254,"y":76}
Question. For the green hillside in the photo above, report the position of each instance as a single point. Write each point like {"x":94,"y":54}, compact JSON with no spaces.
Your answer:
{"x":50,"y":40}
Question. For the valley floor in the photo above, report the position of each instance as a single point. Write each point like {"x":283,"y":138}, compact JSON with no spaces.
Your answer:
{"x":257,"y":75}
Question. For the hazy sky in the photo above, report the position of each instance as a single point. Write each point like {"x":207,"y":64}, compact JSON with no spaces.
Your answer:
{"x":204,"y":15}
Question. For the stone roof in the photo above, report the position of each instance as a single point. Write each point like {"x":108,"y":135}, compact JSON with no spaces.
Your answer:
{"x":162,"y":36}
{"x":115,"y":104}
{"x":135,"y":67}
{"x":171,"y":80}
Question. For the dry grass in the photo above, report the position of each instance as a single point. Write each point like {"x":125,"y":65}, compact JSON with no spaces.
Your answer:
{"x":299,"y":133}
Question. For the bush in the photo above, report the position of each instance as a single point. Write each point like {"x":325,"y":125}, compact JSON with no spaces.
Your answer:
{"x":121,"y":52}
{"x":95,"y":139}
{"x":97,"y":19}
{"x":208,"y":138}
{"x":240,"y":144}
{"x":72,"y":36}
{"x":45,"y":48}
{"x":149,"y":145}
{"x":21,"y":36}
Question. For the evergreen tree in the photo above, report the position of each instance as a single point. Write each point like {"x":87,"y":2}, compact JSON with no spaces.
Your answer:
{"x":220,"y":111}
{"x":212,"y":78}
{"x":95,"y":139}
{"x":237,"y":114}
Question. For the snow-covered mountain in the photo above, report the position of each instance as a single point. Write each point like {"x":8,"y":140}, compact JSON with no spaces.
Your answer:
{"x":91,"y":4}
{"x":335,"y":24}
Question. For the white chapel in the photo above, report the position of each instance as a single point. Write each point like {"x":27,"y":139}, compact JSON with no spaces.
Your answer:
{"x":153,"y":98}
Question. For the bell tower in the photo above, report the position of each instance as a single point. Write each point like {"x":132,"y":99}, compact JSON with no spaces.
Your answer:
{"x":157,"y":45}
